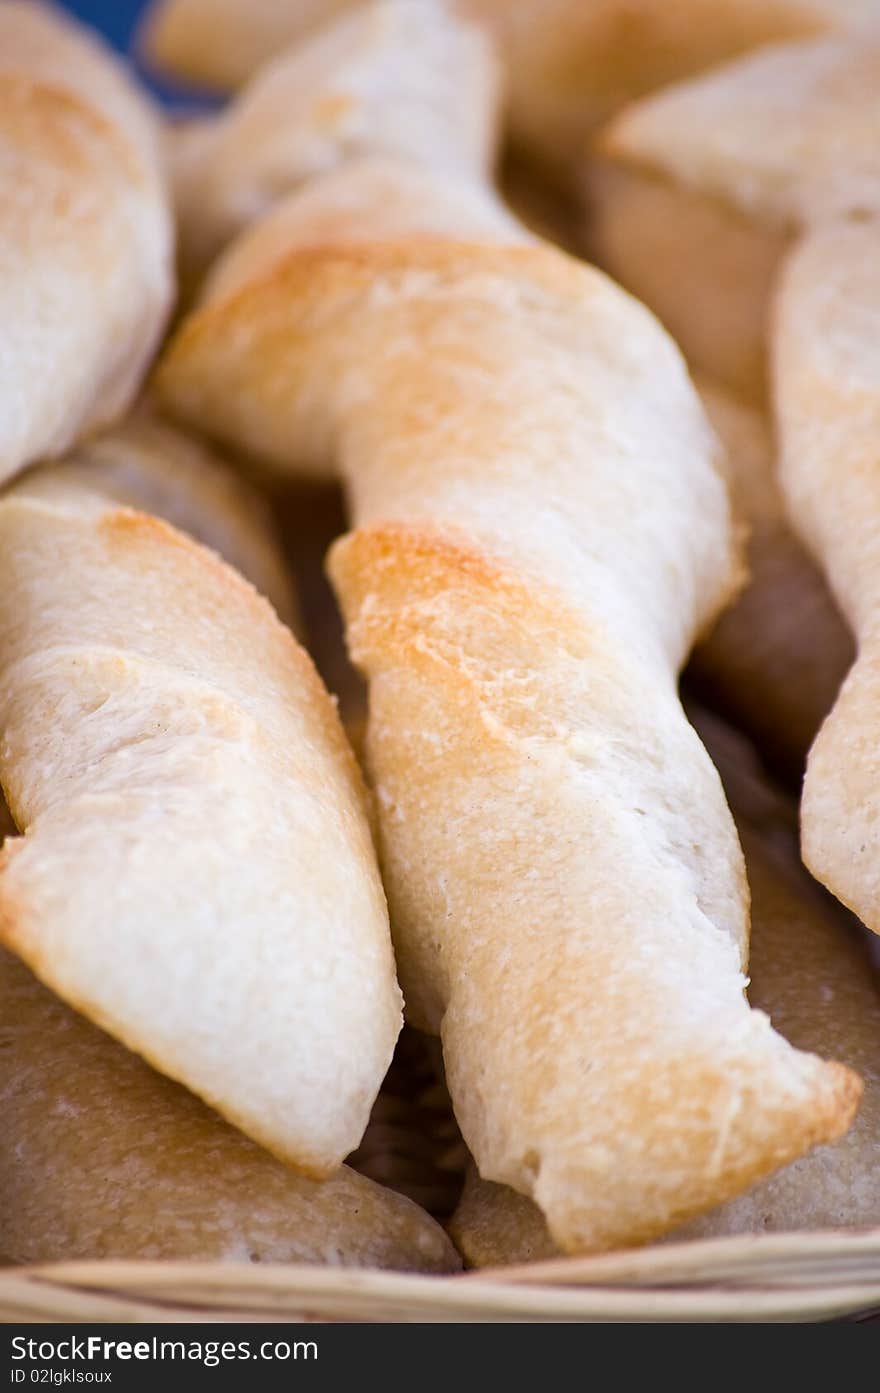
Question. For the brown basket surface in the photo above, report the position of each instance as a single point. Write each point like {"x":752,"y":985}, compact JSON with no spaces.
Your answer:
{"x":413,"y":1145}
{"x":780,"y":1277}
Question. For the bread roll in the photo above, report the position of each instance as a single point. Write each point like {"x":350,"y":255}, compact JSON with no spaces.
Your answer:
{"x":101,"y":1157}
{"x":394,"y":77}
{"x":221,"y":43}
{"x":699,"y":190}
{"x":827,"y":393}
{"x":85,"y":242}
{"x":379,"y":68}
{"x":541,"y":532}
{"x":774,"y":662}
{"x":494,"y":1226}
{"x":196,"y":872}
{"x":149,"y":465}
{"x":810,"y":973}
{"x":570,"y":65}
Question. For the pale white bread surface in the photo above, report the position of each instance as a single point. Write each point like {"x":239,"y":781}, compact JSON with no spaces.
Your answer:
{"x":394,"y":77}
{"x":827,"y":393}
{"x":101,"y":1157}
{"x":810,"y":973}
{"x":196,"y":872}
{"x":785,"y":136}
{"x":542,"y":531}
{"x":698,"y":189}
{"x":776,"y":658}
{"x":86,"y":235}
{"x":706,"y":271}
{"x":150,"y":465}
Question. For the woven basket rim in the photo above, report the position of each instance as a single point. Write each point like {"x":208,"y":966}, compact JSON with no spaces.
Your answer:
{"x":767,"y":1277}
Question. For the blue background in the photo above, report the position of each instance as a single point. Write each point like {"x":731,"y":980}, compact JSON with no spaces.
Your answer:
{"x":115,"y":18}
{"x":118,"y":20}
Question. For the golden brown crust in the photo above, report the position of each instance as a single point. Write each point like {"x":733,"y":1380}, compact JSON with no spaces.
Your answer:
{"x":310,"y":291}
{"x":85,"y":248}
{"x":390,"y":80}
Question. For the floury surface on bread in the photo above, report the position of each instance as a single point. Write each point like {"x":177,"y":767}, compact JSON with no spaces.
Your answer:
{"x":826,"y":364}
{"x":101,"y":1157}
{"x":811,"y":974}
{"x":541,"y":533}
{"x":698,"y":190}
{"x":395,"y":77}
{"x":86,"y":235}
{"x":196,"y":872}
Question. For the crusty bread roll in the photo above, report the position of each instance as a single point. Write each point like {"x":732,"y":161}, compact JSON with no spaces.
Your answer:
{"x":85,"y":241}
{"x":570,"y":65}
{"x":155,"y":468}
{"x":395,"y":77}
{"x":197,"y":873}
{"x":495,"y":1226}
{"x":774,"y":662}
{"x":698,"y":190}
{"x":221,"y":43}
{"x":384,"y":69}
{"x":776,"y":659}
{"x":810,"y":973}
{"x":541,"y":533}
{"x":827,"y":394}
{"x":359,"y":201}
{"x":101,"y":1157}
